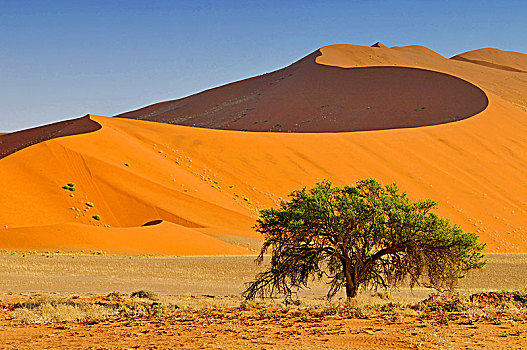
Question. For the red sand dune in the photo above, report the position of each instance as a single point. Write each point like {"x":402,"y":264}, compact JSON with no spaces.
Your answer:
{"x":15,"y":141}
{"x":309,"y":97}
{"x":495,"y":58}
{"x":211,"y":182}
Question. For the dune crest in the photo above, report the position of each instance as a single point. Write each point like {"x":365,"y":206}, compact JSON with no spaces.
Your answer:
{"x":15,"y":141}
{"x":496,"y":58}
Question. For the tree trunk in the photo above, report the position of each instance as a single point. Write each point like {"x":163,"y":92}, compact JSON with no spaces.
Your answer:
{"x":351,"y":285}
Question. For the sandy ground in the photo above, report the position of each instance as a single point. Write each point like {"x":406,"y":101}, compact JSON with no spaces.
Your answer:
{"x":232,"y":329}
{"x":65,"y":274}
{"x":201,"y":308}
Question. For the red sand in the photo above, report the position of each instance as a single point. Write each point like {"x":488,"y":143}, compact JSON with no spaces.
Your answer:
{"x":15,"y":141}
{"x":210,"y":182}
{"x":309,"y":97}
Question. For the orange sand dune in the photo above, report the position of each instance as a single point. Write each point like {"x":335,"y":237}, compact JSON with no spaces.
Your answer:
{"x":211,"y":182}
{"x":496,"y":58}
{"x":164,"y":238}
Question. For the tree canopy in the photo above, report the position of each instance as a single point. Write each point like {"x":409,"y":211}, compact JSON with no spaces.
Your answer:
{"x":367,"y":235}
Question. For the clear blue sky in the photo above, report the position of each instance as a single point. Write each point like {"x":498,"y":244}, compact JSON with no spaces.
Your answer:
{"x":62,"y":59}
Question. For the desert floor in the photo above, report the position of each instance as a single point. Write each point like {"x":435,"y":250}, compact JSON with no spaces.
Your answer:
{"x":64,"y":301}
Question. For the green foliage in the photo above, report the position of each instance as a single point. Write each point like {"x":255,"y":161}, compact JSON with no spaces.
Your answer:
{"x":367,"y":235}
{"x":70,"y":186}
{"x":96,"y":217}
{"x":127,"y":164}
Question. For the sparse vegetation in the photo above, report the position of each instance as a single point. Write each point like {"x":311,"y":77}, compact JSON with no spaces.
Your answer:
{"x":127,"y":164}
{"x":144,"y":294}
{"x":96,"y":217}
{"x":70,"y":187}
{"x":367,"y":235}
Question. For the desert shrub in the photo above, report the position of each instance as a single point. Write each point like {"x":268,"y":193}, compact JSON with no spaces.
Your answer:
{"x":96,"y":217}
{"x":69,"y":186}
{"x":145,"y":294}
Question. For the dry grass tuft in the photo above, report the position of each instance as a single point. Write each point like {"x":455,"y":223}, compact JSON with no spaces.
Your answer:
{"x":50,"y":313}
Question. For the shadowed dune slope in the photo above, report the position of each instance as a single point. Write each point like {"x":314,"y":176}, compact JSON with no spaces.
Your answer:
{"x":205,"y":182}
{"x":495,"y":58}
{"x":15,"y":141}
{"x":309,"y":97}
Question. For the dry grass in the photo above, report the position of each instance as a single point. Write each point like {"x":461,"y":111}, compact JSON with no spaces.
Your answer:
{"x":190,"y":276}
{"x":51,"y":313}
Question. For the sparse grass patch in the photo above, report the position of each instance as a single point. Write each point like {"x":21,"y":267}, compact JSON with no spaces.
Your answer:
{"x":144,"y":294}
{"x":63,"y":312}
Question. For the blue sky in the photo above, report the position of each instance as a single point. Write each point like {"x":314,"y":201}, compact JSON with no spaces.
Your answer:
{"x":63,"y":59}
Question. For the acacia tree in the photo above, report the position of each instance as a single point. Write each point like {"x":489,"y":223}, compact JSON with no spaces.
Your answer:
{"x":367,"y":235}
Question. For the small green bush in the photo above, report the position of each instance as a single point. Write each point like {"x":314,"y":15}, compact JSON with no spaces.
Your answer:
{"x":126,"y":164}
{"x":70,"y":186}
{"x":96,"y":217}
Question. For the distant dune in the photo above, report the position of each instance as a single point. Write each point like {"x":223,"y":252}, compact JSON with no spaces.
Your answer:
{"x":15,"y":141}
{"x":466,"y":148}
{"x":495,"y":58}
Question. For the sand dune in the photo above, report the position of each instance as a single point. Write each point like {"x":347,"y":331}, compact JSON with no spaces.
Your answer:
{"x":309,"y":97}
{"x":15,"y":141}
{"x":495,"y":58}
{"x":164,"y":238}
{"x":208,"y":183}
